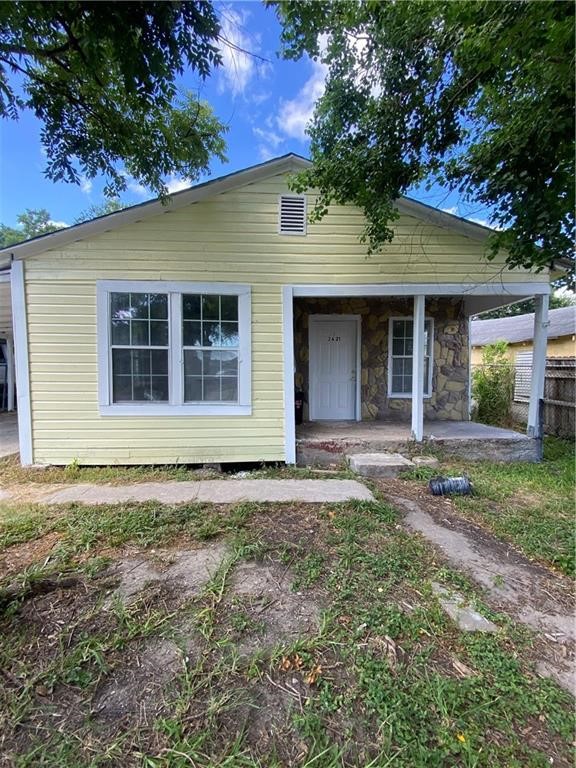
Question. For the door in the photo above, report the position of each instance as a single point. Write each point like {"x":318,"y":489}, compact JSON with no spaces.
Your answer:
{"x":333,"y":367}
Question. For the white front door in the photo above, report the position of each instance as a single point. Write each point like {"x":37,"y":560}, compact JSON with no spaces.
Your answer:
{"x":332,"y":367}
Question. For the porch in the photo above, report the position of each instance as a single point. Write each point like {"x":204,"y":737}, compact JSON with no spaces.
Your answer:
{"x":327,"y":443}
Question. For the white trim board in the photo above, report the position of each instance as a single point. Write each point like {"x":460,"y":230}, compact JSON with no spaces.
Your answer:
{"x":288,"y":363}
{"x":357,"y":319}
{"x":423,"y":289}
{"x":20,"y":326}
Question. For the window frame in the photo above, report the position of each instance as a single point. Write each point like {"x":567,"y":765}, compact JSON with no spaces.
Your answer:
{"x":428,"y":383}
{"x":176,"y":406}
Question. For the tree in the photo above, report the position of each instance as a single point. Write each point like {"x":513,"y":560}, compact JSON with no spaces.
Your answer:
{"x":478,"y":96}
{"x":101,"y":77}
{"x":557,"y":301}
{"x":102,"y":209}
{"x":32,"y":223}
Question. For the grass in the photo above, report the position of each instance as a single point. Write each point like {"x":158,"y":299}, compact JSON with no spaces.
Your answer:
{"x":377,"y":684}
{"x":11,"y":473}
{"x":529,"y":505}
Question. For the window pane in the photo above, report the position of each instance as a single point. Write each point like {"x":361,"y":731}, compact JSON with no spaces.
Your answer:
{"x":139,"y":306}
{"x":193,"y":389}
{"x":211,"y":388}
{"x":210,"y":334}
{"x":212,"y":363}
{"x":191,"y":306}
{"x":159,"y":391}
{"x":229,"y":363}
{"x":159,"y":362}
{"x":159,"y":306}
{"x":159,"y":333}
{"x":397,"y":346}
{"x":229,"y":307}
{"x":139,"y":333}
{"x":210,"y":307}
{"x":193,"y":362}
{"x":408,"y":345}
{"x":140,"y":362}
{"x":121,"y":361}
{"x":119,"y":306}
{"x":229,"y":337}
{"x":229,"y":388}
{"x":120,"y":332}
{"x":121,"y":389}
{"x":192,"y":333}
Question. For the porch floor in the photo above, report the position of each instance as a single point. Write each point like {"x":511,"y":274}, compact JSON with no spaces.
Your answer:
{"x":327,"y":442}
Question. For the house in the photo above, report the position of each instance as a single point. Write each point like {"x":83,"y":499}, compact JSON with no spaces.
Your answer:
{"x":176,"y":332}
{"x":518,"y":332}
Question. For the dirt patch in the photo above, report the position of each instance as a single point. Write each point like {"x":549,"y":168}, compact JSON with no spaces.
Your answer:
{"x":263,"y":611}
{"x":20,"y":556}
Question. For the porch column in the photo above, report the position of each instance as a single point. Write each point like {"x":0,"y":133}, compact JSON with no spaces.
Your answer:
{"x":11,"y":376}
{"x":418,"y":370}
{"x":538,"y":363}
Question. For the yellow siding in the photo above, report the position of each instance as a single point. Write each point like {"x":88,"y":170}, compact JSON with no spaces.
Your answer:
{"x":5,"y":310}
{"x":230,"y":238}
{"x":565,"y":346}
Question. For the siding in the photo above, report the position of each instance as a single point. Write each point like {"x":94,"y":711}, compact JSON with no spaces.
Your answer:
{"x":229,"y":238}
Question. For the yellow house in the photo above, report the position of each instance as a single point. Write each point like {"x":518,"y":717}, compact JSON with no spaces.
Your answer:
{"x":518,"y":332}
{"x":178,"y":332}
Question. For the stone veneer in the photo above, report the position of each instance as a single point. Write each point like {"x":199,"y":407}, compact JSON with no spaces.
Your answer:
{"x":449,"y":398}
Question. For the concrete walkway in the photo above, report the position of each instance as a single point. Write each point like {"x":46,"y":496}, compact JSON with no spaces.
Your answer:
{"x":8,"y":434}
{"x":212,"y":491}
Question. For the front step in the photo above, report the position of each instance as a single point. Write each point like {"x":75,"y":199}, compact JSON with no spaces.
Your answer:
{"x":379,"y":464}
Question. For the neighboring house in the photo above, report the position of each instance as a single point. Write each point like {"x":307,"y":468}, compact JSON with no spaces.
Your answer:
{"x":518,"y":332}
{"x":177,"y":332}
{"x":7,"y":372}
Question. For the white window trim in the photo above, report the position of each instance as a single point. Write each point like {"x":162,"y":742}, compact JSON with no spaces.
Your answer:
{"x":279,"y":227}
{"x":176,"y":405}
{"x":428,"y":387}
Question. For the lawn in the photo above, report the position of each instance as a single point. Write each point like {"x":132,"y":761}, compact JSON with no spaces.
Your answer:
{"x":529,"y":505}
{"x":312,"y":640}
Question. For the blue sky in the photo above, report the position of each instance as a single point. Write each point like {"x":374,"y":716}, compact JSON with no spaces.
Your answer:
{"x":265,"y":104}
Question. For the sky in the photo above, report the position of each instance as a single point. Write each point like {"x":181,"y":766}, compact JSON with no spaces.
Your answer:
{"x":266,"y":106}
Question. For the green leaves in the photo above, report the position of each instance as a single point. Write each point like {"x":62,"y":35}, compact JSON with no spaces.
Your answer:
{"x":477,"y":96}
{"x":101,"y":78}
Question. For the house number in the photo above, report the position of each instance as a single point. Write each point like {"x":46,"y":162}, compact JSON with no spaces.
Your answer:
{"x":334,"y":338}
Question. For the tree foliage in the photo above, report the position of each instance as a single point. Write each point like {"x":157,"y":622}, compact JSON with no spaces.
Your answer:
{"x":478,"y":96}
{"x":493,"y":386}
{"x":32,"y":223}
{"x":101,"y":77}
{"x":100,"y":209}
{"x":525,"y":307}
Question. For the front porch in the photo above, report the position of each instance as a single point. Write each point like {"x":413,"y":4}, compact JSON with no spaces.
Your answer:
{"x":327,"y":443}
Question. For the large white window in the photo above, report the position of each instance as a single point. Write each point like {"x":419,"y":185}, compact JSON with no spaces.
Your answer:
{"x":400,"y":353}
{"x":173,"y":348}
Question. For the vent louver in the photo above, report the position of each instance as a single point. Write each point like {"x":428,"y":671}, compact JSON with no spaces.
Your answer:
{"x":292,"y":215}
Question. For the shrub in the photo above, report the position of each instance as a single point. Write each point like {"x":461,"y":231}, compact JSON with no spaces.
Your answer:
{"x":493,"y":385}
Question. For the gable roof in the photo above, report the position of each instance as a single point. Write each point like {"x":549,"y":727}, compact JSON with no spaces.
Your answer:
{"x":562,"y":322}
{"x":285,"y":163}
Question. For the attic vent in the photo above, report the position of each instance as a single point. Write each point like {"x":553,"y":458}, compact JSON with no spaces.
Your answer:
{"x":292,"y":215}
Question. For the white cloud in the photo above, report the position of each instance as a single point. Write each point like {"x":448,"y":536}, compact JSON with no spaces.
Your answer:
{"x":295,"y":114}
{"x":453,"y":210}
{"x":85,"y":185}
{"x":59,"y":224}
{"x":238,"y":67}
{"x":136,"y":188}
{"x":174,"y":184}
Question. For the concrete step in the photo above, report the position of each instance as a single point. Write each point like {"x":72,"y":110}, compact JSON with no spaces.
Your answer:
{"x":379,"y":464}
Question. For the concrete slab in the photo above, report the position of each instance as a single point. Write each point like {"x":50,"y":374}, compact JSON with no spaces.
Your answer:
{"x":379,"y":464}
{"x":467,"y":619}
{"x":214,"y":491}
{"x":8,"y":434}
{"x":428,"y":462}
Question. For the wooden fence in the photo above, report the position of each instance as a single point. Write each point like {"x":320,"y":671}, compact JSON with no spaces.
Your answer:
{"x":560,"y":397}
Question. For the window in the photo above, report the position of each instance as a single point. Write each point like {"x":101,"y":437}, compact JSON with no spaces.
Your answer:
{"x":400,"y":350}
{"x":292,"y":215}
{"x":171,"y":348}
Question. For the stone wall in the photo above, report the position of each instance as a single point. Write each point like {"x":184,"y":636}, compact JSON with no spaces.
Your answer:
{"x":449,"y":398}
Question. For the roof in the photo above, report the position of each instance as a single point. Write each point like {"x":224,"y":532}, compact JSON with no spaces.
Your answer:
{"x":562,"y":322}
{"x":286,"y":163}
